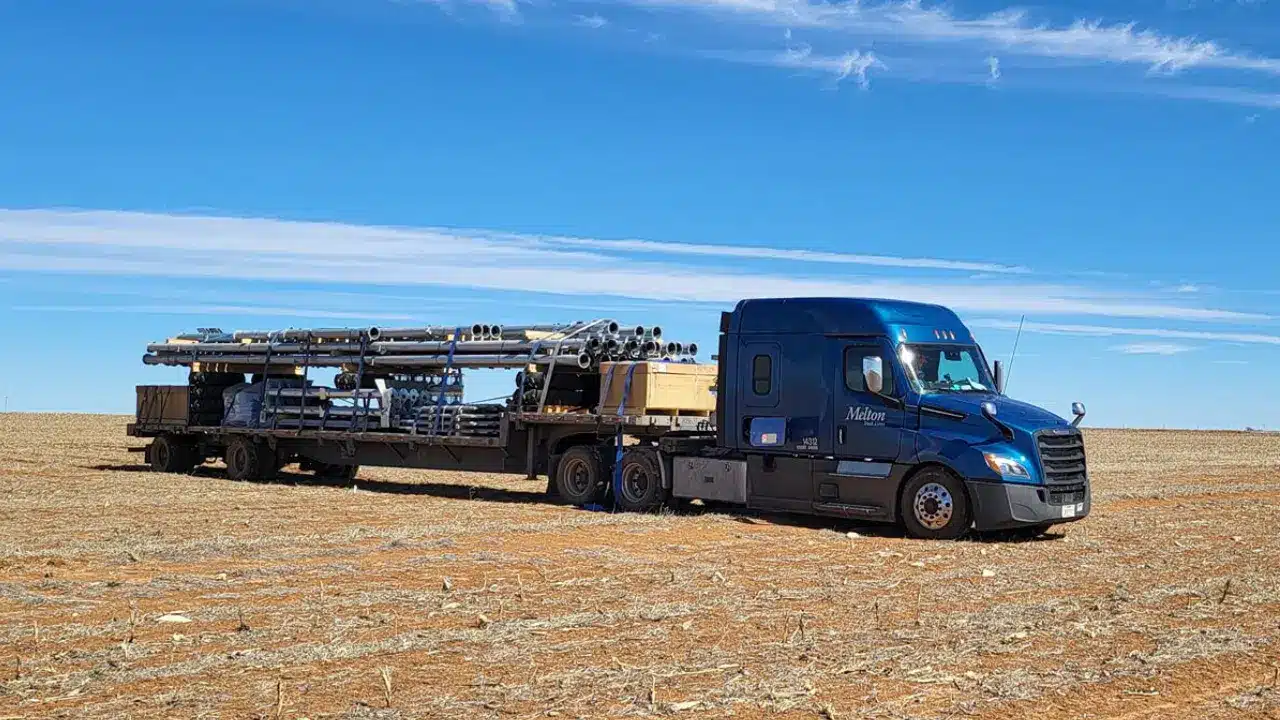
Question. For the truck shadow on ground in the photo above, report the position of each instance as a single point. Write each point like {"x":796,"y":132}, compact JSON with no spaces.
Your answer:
{"x":453,"y":491}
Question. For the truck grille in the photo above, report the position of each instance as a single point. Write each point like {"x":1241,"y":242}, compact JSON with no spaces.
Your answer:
{"x":1062,"y":456}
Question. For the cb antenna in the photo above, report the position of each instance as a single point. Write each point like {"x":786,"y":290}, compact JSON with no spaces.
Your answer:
{"x":1014,"y":355}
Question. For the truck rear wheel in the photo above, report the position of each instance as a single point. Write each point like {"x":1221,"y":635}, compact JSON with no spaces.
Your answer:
{"x":168,"y":454}
{"x":640,"y":482}
{"x":934,"y":505}
{"x":247,"y":460}
{"x":581,"y":475}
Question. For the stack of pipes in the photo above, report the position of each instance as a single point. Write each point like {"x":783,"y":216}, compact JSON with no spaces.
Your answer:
{"x":385,"y":351}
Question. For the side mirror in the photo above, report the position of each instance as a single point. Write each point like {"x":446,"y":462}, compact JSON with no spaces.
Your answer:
{"x":989,"y":411}
{"x":1077,"y":409}
{"x":999,"y":377}
{"x":873,"y":374}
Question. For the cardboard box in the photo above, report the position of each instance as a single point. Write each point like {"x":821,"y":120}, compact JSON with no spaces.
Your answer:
{"x":659,"y":388}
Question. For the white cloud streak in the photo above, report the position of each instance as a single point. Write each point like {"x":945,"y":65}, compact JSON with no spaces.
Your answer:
{"x":215,"y":309}
{"x":1107,"y":331}
{"x":1009,"y":31}
{"x":593,"y":22}
{"x":1153,"y":348}
{"x":157,"y":245}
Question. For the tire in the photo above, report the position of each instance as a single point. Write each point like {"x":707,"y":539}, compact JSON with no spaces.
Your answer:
{"x":934,"y":505}
{"x":582,"y":475}
{"x":640,"y":482}
{"x":247,"y":460}
{"x":168,"y":454}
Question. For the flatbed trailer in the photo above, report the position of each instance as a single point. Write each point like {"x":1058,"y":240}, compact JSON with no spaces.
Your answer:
{"x":528,"y":443}
{"x":876,"y":410}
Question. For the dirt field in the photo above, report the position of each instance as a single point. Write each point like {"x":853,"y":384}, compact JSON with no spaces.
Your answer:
{"x":131,"y":594}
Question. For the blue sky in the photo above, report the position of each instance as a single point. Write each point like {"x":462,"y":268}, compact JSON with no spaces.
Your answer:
{"x":1106,"y":169}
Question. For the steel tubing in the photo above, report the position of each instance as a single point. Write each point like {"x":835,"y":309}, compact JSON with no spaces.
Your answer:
{"x":296,"y":334}
{"x":584,"y":361}
{"x":468,"y":347}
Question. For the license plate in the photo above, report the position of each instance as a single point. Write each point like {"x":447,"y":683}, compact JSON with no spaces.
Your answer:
{"x":1068,"y":511}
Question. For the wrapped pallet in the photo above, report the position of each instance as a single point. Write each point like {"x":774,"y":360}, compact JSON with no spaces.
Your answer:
{"x":658,"y":388}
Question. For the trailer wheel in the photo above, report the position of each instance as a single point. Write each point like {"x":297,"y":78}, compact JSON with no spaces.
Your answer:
{"x":168,"y":454}
{"x":247,"y":460}
{"x":581,"y":475}
{"x":241,"y":457}
{"x":934,"y":505}
{"x":641,"y":480}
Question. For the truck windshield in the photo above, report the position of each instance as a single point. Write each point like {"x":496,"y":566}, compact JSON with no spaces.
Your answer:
{"x":946,"y":368}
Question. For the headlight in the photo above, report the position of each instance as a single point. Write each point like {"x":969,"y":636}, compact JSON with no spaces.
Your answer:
{"x":1006,"y":467}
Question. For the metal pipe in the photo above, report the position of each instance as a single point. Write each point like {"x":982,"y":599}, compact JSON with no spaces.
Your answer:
{"x":433,"y":332}
{"x":466,"y":347}
{"x":656,"y":332}
{"x":584,"y":361}
{"x":296,"y":334}
{"x":691,"y":349}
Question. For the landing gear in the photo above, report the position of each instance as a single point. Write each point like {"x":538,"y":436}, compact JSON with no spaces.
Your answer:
{"x":337,"y":472}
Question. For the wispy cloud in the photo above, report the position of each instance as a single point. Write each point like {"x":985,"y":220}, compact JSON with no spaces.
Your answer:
{"x":215,"y":309}
{"x":142,"y":244}
{"x":1107,"y":331}
{"x":506,"y":9}
{"x":1011,"y":31}
{"x":593,"y":21}
{"x":769,"y":253}
{"x":932,"y":42}
{"x":1153,"y":348}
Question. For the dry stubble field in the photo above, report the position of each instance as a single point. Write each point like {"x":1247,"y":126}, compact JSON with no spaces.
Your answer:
{"x":415,"y":594}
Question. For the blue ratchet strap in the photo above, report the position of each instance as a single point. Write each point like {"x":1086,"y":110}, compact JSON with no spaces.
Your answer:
{"x":617,"y":460}
{"x":444,"y":383}
{"x":608,"y":387}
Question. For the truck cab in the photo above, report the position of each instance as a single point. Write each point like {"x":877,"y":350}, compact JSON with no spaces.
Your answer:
{"x":886,"y":410}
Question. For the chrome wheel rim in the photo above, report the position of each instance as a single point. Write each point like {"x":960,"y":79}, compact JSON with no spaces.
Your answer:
{"x":933,"y":506}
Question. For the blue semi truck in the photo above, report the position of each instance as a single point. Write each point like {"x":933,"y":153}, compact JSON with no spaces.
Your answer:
{"x":876,"y":410}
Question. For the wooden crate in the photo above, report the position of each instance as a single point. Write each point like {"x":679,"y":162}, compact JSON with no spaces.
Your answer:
{"x":659,"y":388}
{"x":162,"y":405}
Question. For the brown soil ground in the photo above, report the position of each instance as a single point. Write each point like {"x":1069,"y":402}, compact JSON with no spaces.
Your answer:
{"x":126,"y":593}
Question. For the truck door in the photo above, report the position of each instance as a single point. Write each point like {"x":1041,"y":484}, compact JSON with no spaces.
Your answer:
{"x":868,"y":427}
{"x":868,"y":433}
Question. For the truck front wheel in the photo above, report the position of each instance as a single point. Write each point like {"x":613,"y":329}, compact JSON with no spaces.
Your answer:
{"x":641,"y":480}
{"x":581,"y":475}
{"x":934,"y":505}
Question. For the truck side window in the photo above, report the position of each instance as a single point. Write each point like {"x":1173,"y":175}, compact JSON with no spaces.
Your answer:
{"x":762,"y":374}
{"x":853,"y":369}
